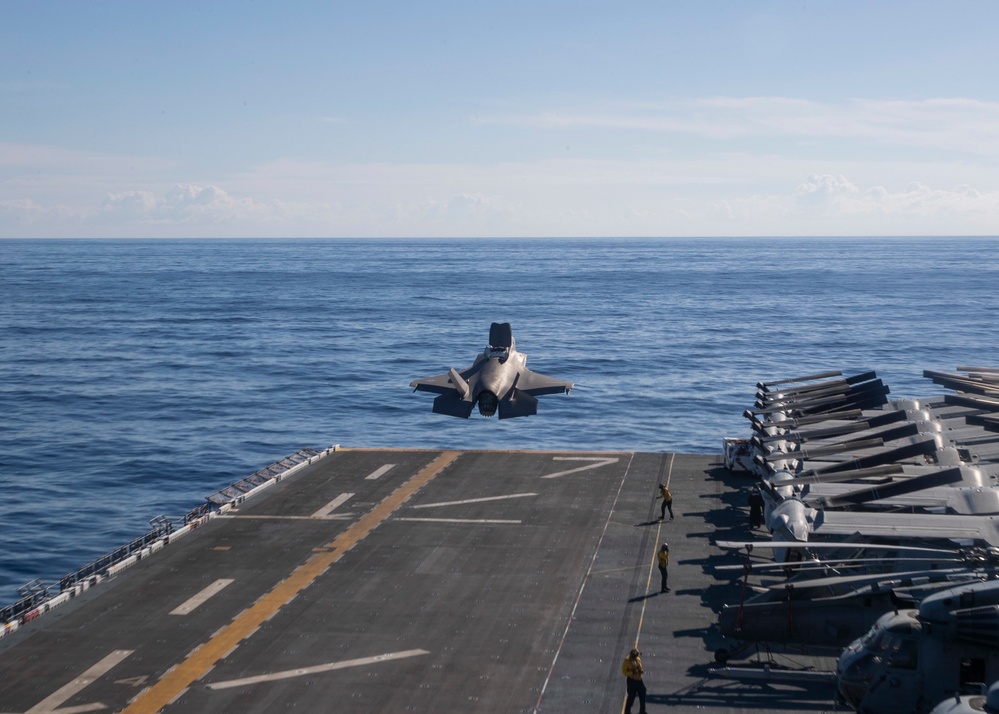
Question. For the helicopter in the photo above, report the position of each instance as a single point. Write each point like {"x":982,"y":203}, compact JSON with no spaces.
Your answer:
{"x":839,"y":592}
{"x":987,"y":701}
{"x":914,"y":659}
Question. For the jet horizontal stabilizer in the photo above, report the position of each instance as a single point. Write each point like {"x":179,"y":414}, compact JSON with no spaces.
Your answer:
{"x":520,"y":403}
{"x":453,"y":405}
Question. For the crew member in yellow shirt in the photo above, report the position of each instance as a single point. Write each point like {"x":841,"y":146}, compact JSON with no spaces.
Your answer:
{"x":667,"y":498}
{"x":662,"y":557}
{"x":633,"y":671}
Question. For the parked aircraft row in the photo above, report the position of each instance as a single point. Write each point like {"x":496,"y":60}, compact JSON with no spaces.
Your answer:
{"x":884,"y":522}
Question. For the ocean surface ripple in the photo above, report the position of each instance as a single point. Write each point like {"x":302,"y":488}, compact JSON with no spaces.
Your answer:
{"x":138,"y":376}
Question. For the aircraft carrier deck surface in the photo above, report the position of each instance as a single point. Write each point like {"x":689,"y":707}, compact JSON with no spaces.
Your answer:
{"x":422,"y":581}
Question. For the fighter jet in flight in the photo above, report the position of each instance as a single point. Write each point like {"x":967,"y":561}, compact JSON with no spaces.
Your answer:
{"x":497,"y":380}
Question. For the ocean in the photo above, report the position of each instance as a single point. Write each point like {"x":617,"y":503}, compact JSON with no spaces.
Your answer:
{"x":138,"y":376}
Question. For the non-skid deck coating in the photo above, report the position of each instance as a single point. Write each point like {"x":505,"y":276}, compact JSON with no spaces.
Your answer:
{"x":422,"y":581}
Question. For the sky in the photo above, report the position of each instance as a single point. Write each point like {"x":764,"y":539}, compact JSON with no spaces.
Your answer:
{"x":512,"y":119}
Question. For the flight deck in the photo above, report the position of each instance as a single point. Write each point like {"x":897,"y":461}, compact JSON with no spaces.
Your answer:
{"x":417,"y":581}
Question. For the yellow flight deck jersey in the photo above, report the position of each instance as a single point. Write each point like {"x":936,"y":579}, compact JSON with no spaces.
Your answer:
{"x":665,"y":494}
{"x":632,"y":668}
{"x":663,"y":556}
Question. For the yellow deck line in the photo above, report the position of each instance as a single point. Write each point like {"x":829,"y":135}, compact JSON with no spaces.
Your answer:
{"x":648,"y":580}
{"x":177,"y":680}
{"x":652,"y":564}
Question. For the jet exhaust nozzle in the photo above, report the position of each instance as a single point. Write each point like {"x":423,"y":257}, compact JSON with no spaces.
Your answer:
{"x":487,"y":404}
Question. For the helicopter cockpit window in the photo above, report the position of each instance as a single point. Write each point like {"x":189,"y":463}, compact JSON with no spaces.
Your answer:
{"x":881,"y":642}
{"x":869,"y":637}
{"x":904,"y":653}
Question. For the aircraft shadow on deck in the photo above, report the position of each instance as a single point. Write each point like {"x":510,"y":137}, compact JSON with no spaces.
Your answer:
{"x":710,"y":692}
{"x":732,"y":695}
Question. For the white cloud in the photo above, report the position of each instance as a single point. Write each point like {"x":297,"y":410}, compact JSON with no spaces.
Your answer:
{"x":836,"y":195}
{"x":941,"y":124}
{"x":465,"y":207}
{"x":707,"y":166}
{"x":824,"y":190}
{"x":183,"y":204}
{"x":543,"y":199}
{"x":136,"y":204}
{"x":21,"y":214}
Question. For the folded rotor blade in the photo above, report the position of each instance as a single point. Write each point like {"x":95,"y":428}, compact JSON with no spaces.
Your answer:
{"x":871,"y":472}
{"x":776,"y":544}
{"x":920,"y":448}
{"x":895,"y":488}
{"x":789,"y":380}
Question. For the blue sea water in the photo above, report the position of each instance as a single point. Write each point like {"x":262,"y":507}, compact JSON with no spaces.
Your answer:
{"x":138,"y":376}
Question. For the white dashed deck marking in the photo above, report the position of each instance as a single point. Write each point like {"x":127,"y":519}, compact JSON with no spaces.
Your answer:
{"x":458,"y":520}
{"x":199,"y":599}
{"x":598,"y":461}
{"x":475,"y":500}
{"x":316,"y":669}
{"x":379,"y":473}
{"x":332,"y":505}
{"x":55,"y":700}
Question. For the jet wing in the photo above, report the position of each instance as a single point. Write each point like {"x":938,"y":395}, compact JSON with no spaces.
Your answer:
{"x":444,"y":384}
{"x":907,"y":525}
{"x":439,"y":384}
{"x":537,"y":384}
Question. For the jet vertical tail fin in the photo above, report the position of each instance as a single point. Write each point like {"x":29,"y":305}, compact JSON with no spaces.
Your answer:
{"x":460,"y":385}
{"x":500,"y":335}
